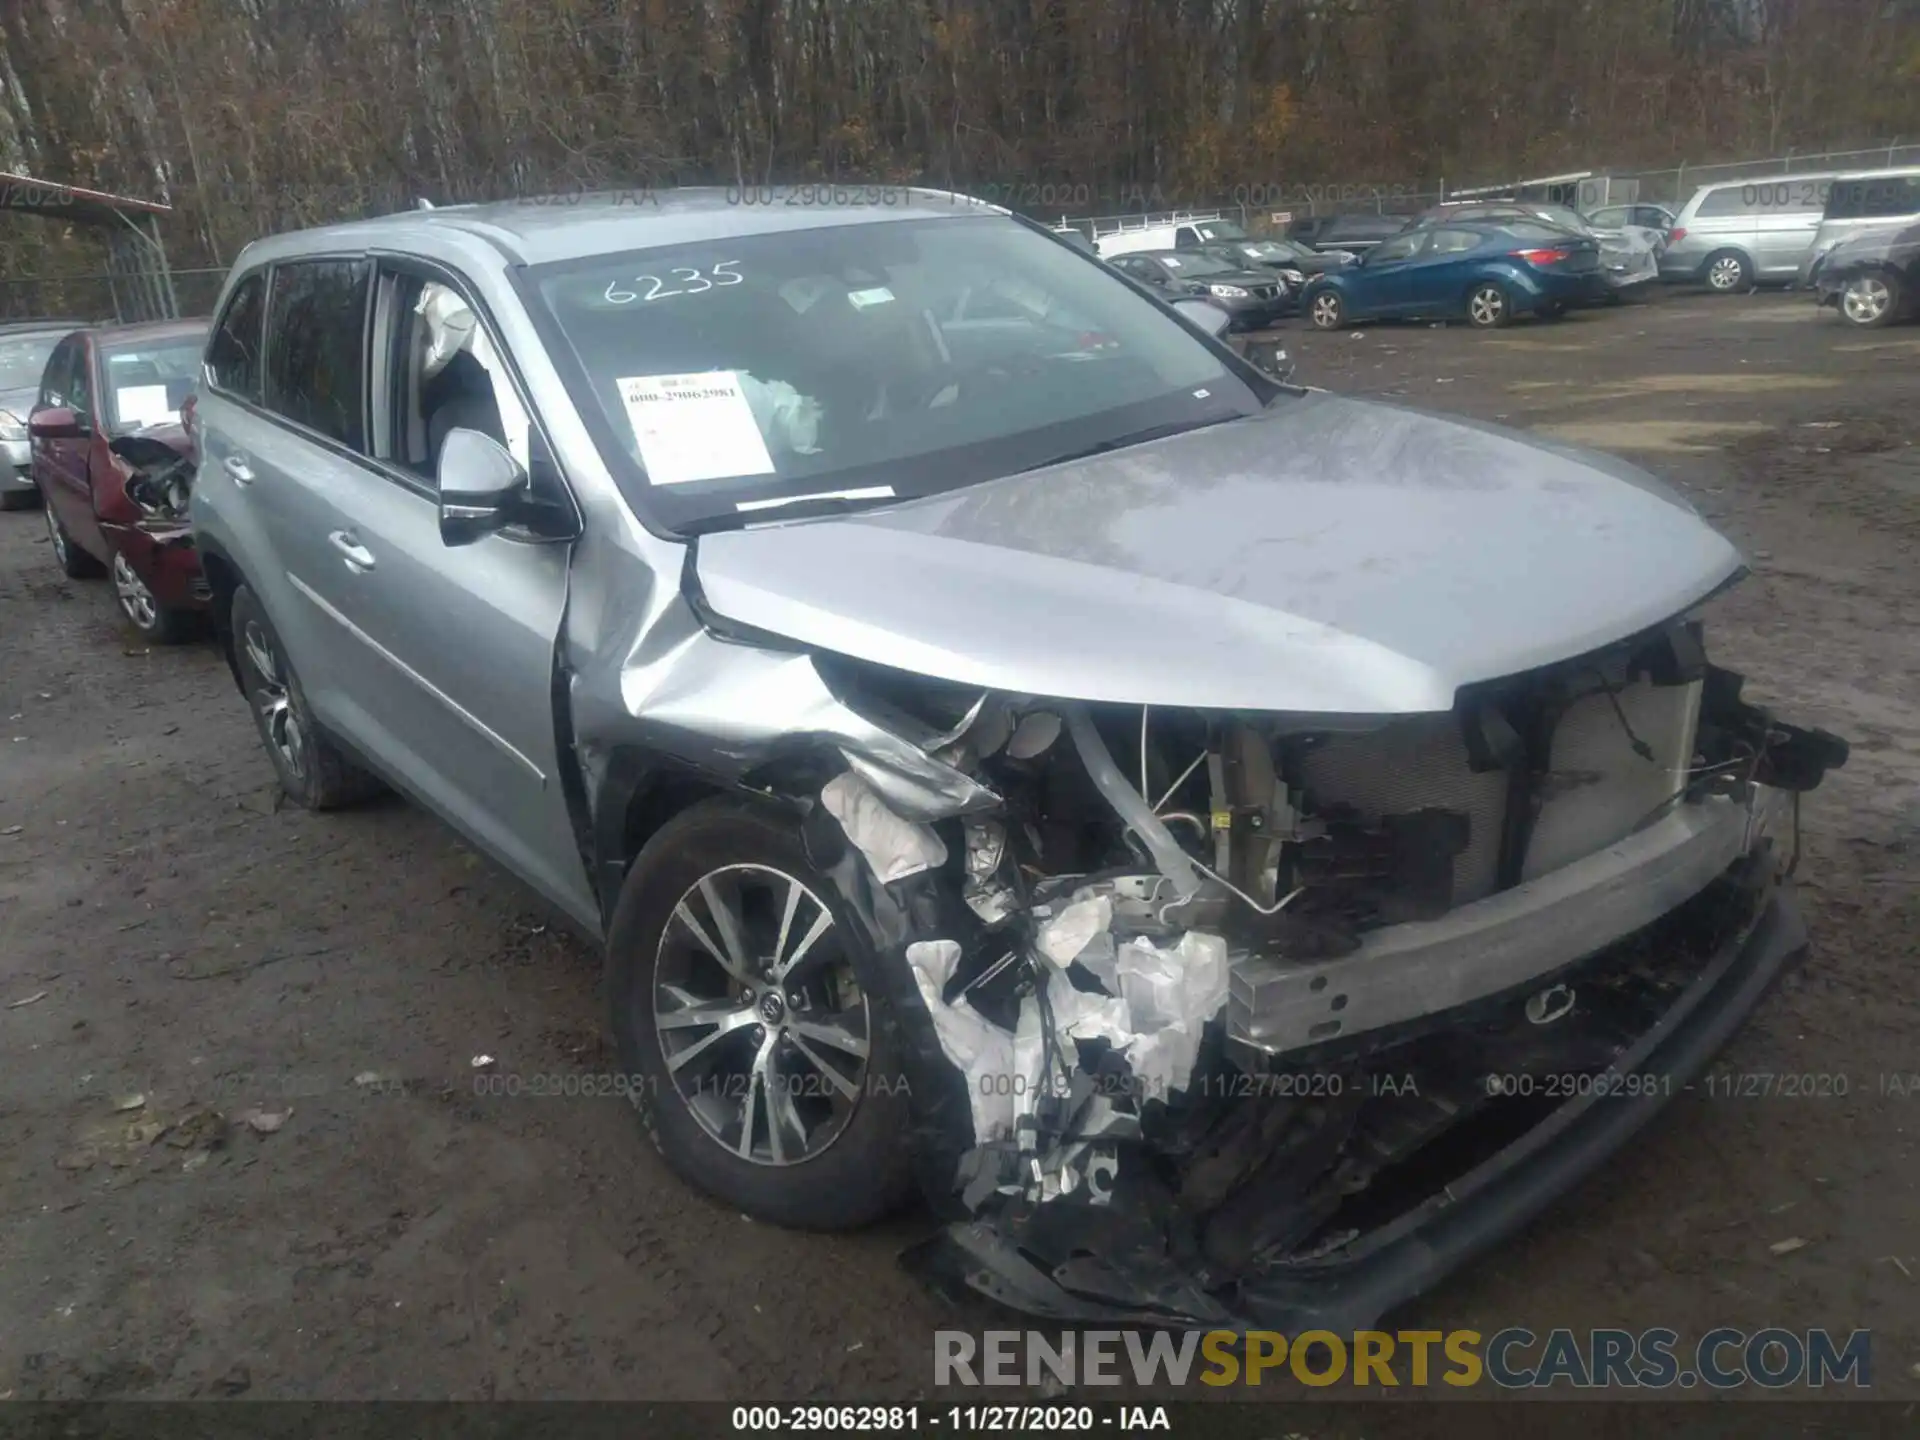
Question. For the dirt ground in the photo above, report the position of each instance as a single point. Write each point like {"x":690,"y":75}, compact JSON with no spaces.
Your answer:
{"x":177,"y":950}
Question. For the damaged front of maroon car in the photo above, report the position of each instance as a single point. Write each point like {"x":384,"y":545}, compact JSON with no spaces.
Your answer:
{"x":143,"y":510}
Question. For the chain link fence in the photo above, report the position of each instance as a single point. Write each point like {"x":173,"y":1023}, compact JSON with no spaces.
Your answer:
{"x":99,"y":298}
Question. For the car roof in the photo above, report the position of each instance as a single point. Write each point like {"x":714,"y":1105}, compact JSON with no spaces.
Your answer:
{"x":568,"y":227}
{"x":148,"y":330}
{"x":1768,"y":180}
{"x":25,"y":327}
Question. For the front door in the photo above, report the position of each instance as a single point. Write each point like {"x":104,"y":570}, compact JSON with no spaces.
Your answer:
{"x":61,"y":464}
{"x":1382,"y":283}
{"x":451,"y":647}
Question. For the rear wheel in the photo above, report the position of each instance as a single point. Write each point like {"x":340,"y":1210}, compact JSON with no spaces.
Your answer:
{"x":1870,"y":301}
{"x":1488,"y":307}
{"x":74,"y":562}
{"x":19,"y":499}
{"x":747,"y":1008}
{"x":1728,"y":271}
{"x":157,"y":622}
{"x":1326,"y":311}
{"x":312,"y":770}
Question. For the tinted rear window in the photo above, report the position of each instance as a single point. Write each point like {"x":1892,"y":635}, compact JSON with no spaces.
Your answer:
{"x":316,"y":326}
{"x":1874,"y":198}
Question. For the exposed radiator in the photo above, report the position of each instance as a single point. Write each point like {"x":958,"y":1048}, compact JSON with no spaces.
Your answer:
{"x":1414,"y":764}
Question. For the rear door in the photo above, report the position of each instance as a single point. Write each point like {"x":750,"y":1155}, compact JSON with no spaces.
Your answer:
{"x":1786,"y":215}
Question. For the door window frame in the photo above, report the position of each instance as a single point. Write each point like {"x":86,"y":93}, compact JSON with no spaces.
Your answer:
{"x":546,"y":471}
{"x":319,"y":437}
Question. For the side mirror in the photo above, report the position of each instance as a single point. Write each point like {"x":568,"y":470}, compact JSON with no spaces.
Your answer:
{"x":1272,"y":359}
{"x":482,"y":487}
{"x":1208,"y":316}
{"x":56,"y":422}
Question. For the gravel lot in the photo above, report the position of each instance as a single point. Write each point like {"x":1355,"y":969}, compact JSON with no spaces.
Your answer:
{"x":176,"y":949}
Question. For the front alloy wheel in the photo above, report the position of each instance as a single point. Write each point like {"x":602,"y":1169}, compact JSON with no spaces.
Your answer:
{"x":759,"y":1015}
{"x":1867,"y":301}
{"x":755,"y":1022}
{"x":1325,"y":311}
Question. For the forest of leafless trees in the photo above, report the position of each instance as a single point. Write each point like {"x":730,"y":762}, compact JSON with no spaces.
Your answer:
{"x":251,"y":115}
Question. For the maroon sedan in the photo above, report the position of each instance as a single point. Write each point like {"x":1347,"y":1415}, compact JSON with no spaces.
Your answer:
{"x":113,"y":458}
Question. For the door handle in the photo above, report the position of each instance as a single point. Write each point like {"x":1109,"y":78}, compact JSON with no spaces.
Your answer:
{"x":237,"y":467}
{"x":359,"y":559}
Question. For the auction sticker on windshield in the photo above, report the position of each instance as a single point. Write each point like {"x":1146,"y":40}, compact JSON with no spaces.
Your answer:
{"x":694,"y":427}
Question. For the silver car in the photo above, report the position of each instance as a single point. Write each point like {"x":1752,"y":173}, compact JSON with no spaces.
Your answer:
{"x":1736,"y":234}
{"x":24,"y":350}
{"x":1235,"y":851}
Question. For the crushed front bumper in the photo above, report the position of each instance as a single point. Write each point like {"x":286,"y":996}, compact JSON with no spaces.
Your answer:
{"x":1353,"y":1286}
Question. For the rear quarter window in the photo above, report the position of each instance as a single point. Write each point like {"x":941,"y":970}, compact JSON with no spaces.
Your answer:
{"x":233,"y":350}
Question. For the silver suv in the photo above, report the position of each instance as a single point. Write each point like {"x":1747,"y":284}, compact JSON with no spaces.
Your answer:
{"x":1181,"y":824}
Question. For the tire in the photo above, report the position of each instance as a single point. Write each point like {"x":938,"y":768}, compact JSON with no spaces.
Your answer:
{"x":312,"y":770}
{"x":843,"y":1158}
{"x":1871,"y":300}
{"x":74,"y":563}
{"x":1727,"y":272}
{"x":154,"y":621}
{"x":1326,"y":310}
{"x":1488,"y":306}
{"x":19,"y":499}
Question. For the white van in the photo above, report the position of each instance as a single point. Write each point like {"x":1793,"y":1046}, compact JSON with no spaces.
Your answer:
{"x":1175,"y":232}
{"x":1862,"y":203}
{"x":1735,"y":234}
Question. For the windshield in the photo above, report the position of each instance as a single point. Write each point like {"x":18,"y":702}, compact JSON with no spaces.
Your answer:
{"x":1272,"y":250}
{"x":23,"y":358}
{"x":146,"y":384}
{"x":1220,"y":230}
{"x":896,"y":358}
{"x":1192,"y":262}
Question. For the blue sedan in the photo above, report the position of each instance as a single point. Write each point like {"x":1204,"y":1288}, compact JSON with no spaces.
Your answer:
{"x":1487,"y":271}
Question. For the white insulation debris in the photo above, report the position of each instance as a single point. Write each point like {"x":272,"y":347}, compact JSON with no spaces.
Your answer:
{"x":982,"y":1052}
{"x":894,"y":847}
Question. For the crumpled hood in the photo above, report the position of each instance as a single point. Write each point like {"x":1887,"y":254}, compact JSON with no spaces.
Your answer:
{"x":1328,"y":555}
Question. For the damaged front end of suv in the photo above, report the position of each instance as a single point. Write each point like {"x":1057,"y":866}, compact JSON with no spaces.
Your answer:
{"x":1240,"y":1017}
{"x":1202,"y":1015}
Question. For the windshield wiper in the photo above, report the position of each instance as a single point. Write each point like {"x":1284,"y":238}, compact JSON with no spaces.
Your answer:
{"x":1137,"y":437}
{"x":798,"y":507}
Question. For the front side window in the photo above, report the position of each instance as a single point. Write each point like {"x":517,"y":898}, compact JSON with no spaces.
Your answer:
{"x":755,"y":367}
{"x":1453,"y":242}
{"x":233,"y":352}
{"x":146,"y":384}
{"x":23,"y":358}
{"x":315,"y":347}
{"x":1398,"y":248}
